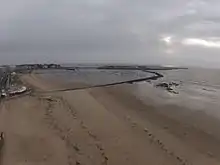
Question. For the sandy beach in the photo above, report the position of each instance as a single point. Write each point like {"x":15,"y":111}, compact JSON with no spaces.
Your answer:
{"x":101,"y":126}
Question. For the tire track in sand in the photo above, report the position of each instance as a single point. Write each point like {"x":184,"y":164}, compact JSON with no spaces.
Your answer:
{"x":97,"y":143}
{"x":65,"y":133}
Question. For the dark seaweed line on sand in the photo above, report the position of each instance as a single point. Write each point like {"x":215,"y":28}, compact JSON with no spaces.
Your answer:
{"x":155,"y":77}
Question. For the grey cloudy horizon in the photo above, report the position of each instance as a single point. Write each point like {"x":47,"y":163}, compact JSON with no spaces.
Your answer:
{"x":171,"y":32}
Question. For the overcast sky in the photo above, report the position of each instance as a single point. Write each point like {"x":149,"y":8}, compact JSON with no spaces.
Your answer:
{"x":169,"y":32}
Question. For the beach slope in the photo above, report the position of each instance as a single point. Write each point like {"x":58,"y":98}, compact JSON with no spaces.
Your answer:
{"x":97,"y":126}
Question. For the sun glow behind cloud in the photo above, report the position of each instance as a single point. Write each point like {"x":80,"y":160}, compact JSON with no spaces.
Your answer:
{"x":169,"y":44}
{"x":167,"y":40}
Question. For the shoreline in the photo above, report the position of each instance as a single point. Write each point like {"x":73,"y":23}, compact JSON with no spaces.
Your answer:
{"x":87,"y":86}
{"x":155,"y":77}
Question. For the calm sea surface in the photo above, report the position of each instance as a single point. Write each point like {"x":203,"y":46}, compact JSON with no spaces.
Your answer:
{"x":199,"y":89}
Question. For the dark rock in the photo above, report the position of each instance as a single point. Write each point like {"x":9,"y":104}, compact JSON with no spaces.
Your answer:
{"x":164,"y":85}
{"x":174,"y":92}
{"x":168,"y":86}
{"x":174,"y":84}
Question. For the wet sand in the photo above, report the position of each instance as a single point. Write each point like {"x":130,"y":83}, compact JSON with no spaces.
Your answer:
{"x":106,"y":126}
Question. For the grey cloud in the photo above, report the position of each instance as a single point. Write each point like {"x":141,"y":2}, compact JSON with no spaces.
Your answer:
{"x":107,"y":31}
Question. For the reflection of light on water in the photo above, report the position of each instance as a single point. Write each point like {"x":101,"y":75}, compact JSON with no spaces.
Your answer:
{"x":201,"y":42}
{"x":168,"y":65}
